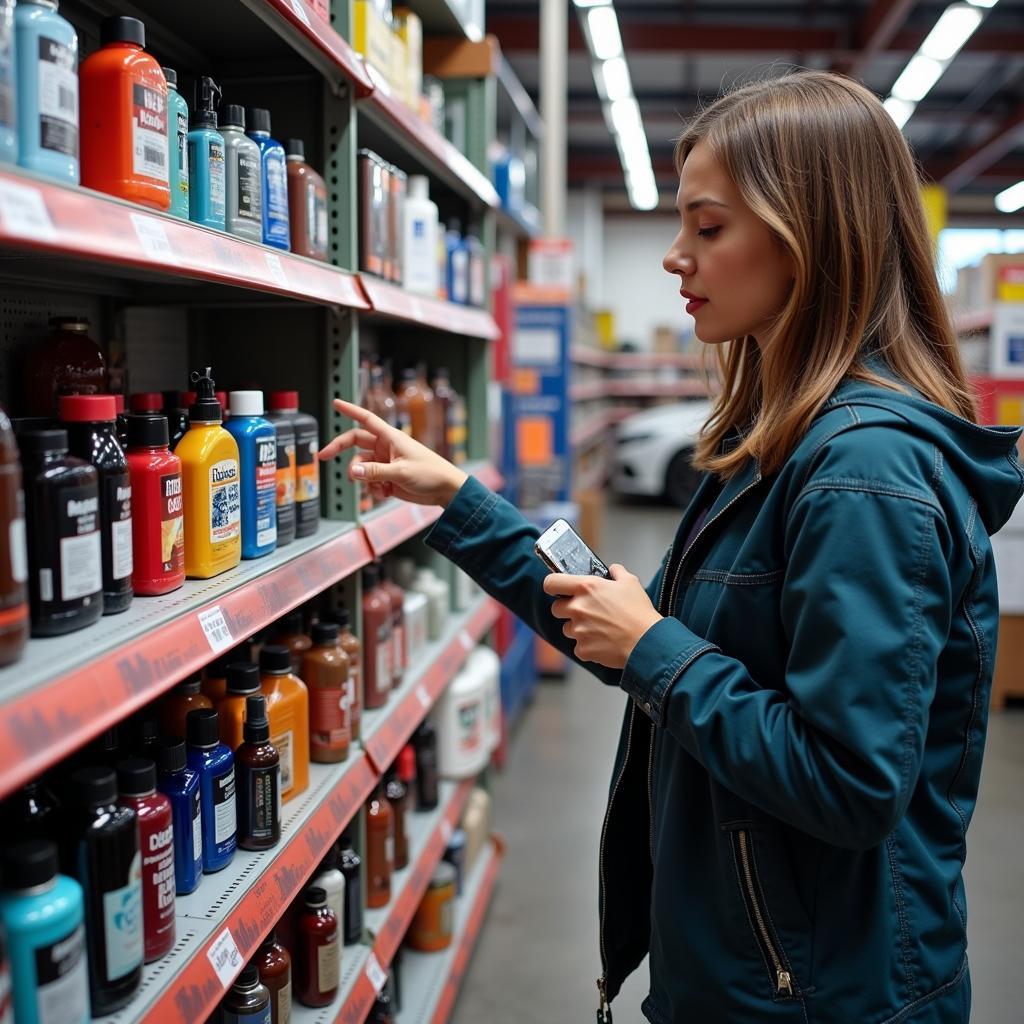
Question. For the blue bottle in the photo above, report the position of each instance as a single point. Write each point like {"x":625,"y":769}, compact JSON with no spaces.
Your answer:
{"x":458,"y":265}
{"x":206,"y":159}
{"x":276,"y":227}
{"x":47,"y":62}
{"x":257,"y":454}
{"x":43,"y":915}
{"x":177,"y":144}
{"x":477,"y":267}
{"x":180,"y":784}
{"x":8,"y":74}
{"x":215,"y":765}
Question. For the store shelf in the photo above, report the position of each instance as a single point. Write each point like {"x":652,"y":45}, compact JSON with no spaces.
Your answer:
{"x":68,"y":689}
{"x":583,"y":355}
{"x":520,"y":225}
{"x":657,"y":389}
{"x":389,"y":300}
{"x":655,"y":361}
{"x":431,"y":981}
{"x":592,"y":430}
{"x":87,"y":226}
{"x":386,"y":730}
{"x":971,"y":323}
{"x":589,"y":391}
{"x":447,"y":18}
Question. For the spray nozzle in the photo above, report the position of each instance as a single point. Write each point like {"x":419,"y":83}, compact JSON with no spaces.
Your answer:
{"x":256,"y":728}
{"x":206,"y":408}
{"x":207,"y":97}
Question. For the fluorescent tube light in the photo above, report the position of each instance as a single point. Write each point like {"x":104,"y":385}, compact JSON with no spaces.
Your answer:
{"x":899,"y":110}
{"x":592,"y":3}
{"x":983,"y":3}
{"x":1011,"y":199}
{"x":951,"y":31}
{"x":917,"y":79}
{"x":604,"y":32}
{"x":644,"y":196}
{"x":615,"y":76}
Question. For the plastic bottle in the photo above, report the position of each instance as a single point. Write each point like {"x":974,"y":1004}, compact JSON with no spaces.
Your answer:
{"x":243,"y":181}
{"x":215,"y":765}
{"x":47,"y":62}
{"x":211,"y":478}
{"x":103,"y":854}
{"x":258,"y":780}
{"x":379,"y":648}
{"x":43,"y":915}
{"x":438,"y":593}
{"x":32,"y":812}
{"x":419,"y":238}
{"x":351,"y":866}
{"x":326,"y":673}
{"x":177,"y":146}
{"x":275,"y":967}
{"x":477,"y":267}
{"x":158,"y":519}
{"x":307,"y":466}
{"x":352,"y":646}
{"x":14,"y":617}
{"x":424,"y":742}
{"x":62,"y":508}
{"x":397,"y":794}
{"x":317,"y":968}
{"x":66,"y":362}
{"x":243,"y":680}
{"x":180,"y":784}
{"x":288,"y":632}
{"x":257,"y":449}
{"x":276,"y":230}
{"x":215,"y":675}
{"x":91,"y":422}
{"x":307,"y":204}
{"x":288,"y":711}
{"x":136,"y":782}
{"x":206,"y":183}
{"x":124,"y":117}
{"x":380,"y":849}
{"x":175,"y":407}
{"x":463,"y":737}
{"x":8,"y":74}
{"x":399,"y":651}
{"x":174,"y":708}
{"x":329,"y":878}
{"x":458,"y":265}
{"x":417,"y":398}
{"x":286,"y":475}
{"x":248,"y":1002}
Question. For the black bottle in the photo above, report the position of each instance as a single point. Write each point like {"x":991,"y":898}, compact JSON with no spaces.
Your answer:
{"x":102,"y":852}
{"x":352,"y":868}
{"x":32,"y":812}
{"x":383,"y":1010}
{"x":248,"y":1002}
{"x":425,"y":743}
{"x":144,"y":736}
{"x":177,"y":417}
{"x":257,"y":779}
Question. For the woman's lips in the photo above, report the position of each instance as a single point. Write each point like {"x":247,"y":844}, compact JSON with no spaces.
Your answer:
{"x":695,"y":301}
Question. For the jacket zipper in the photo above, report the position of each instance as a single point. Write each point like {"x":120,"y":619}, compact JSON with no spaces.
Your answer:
{"x":783,"y":978}
{"x":650,"y":754}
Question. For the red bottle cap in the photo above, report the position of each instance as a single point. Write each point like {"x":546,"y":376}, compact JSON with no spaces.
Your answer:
{"x":188,"y":399}
{"x":87,"y":408}
{"x":222,"y":397}
{"x":119,"y":404}
{"x":284,"y":401}
{"x":146,"y":401}
{"x":407,"y":764}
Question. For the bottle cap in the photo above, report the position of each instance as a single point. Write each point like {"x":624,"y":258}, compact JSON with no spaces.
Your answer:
{"x":146,"y":401}
{"x":259,"y":119}
{"x":246,"y":403}
{"x":204,"y":110}
{"x":325,"y":633}
{"x":425,"y":734}
{"x":119,"y":29}
{"x":407,"y":764}
{"x":419,"y":186}
{"x":147,"y":430}
{"x":249,"y":978}
{"x":147,"y":732}
{"x":188,"y":687}
{"x":119,"y":404}
{"x":270,"y":940}
{"x":42,"y":442}
{"x":29,"y":863}
{"x":284,"y":401}
{"x":290,"y":623}
{"x":256,"y":728}
{"x":342,"y":616}
{"x":275,"y":660}
{"x":232,"y":115}
{"x":371,"y":577}
{"x":136,"y":776}
{"x":78,"y":324}
{"x":202,"y":726}
{"x":170,"y":754}
{"x":315,"y":896}
{"x":171,"y":76}
{"x":243,"y":677}
{"x":296,"y":149}
{"x":206,"y":408}
{"x":330,"y":860}
{"x":93,"y":787}
{"x":22,"y":424}
{"x":88,"y":409}
{"x":218,"y":668}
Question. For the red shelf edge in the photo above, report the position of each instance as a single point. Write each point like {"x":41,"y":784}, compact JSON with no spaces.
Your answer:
{"x":386,"y":298}
{"x":391,"y":527}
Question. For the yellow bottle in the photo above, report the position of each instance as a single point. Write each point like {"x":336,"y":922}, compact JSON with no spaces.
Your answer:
{"x":211,"y":481}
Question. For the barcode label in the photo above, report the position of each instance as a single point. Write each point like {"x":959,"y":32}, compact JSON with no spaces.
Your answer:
{"x":67,"y":100}
{"x":225,"y":957}
{"x":216,"y":629}
{"x":377,"y":975}
{"x":423,"y":696}
{"x":154,"y":156}
{"x":23,"y":212}
{"x":153,"y":238}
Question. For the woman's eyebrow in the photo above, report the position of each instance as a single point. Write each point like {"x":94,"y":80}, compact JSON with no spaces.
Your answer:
{"x":694,"y":204}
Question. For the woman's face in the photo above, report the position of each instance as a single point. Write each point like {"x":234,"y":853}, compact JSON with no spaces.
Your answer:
{"x":734,"y":274}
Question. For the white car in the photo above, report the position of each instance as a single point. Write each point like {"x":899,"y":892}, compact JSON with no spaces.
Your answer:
{"x":653,"y":449}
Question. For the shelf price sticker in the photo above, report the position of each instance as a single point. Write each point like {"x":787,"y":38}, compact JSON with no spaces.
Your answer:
{"x":300,"y":12}
{"x":24,"y":213}
{"x":377,"y":975}
{"x":153,"y":238}
{"x":423,"y":696}
{"x":218,"y":636}
{"x":224,"y":956}
{"x":276,"y":269}
{"x":468,"y":643}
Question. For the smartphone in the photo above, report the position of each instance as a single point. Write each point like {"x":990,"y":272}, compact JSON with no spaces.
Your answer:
{"x":562,"y":549}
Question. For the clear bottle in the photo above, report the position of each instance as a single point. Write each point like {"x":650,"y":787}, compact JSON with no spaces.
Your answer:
{"x":243,"y":179}
{"x":276,"y":229}
{"x":248,"y":1002}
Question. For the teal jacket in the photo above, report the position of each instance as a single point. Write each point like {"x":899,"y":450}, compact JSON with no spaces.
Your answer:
{"x":800,"y":758}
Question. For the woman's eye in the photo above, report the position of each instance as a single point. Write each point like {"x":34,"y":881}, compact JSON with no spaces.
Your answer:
{"x":709,"y":232}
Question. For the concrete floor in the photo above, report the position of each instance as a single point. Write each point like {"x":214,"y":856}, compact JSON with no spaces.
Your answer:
{"x":537,"y":958}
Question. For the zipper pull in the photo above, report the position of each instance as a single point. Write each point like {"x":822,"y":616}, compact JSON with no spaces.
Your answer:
{"x":604,"y":1011}
{"x":784,"y":983}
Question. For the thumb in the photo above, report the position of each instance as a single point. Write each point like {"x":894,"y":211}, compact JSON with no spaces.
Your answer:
{"x":375,"y":472}
{"x":619,"y":572}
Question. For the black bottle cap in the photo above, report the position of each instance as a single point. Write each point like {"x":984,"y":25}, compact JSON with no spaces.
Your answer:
{"x":342,"y":616}
{"x":275,"y":660}
{"x":93,"y":787}
{"x":270,"y":940}
{"x":171,"y":755}
{"x":206,"y":408}
{"x":371,"y":577}
{"x":147,"y":430}
{"x":188,"y":687}
{"x":426,"y":733}
{"x":256,"y":728}
{"x":171,"y":75}
{"x":119,"y":29}
{"x":136,"y":776}
{"x":296,"y":148}
{"x":330,"y":860}
{"x":147,"y":731}
{"x":290,"y":623}
{"x":233,"y":116}
{"x":23,"y":424}
{"x":203,"y":727}
{"x":42,"y":442}
{"x":249,"y":978}
{"x":204,"y":109}
{"x":315,"y":896}
{"x":218,"y":668}
{"x":243,"y":677}
{"x":259,"y":119}
{"x":325,"y":633}
{"x":29,"y":863}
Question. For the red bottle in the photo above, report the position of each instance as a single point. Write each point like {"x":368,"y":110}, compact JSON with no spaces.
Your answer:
{"x":399,"y":652}
{"x":316,"y":971}
{"x":146,"y":401}
{"x":136,"y":781}
{"x":378,"y":652}
{"x":158,"y":523}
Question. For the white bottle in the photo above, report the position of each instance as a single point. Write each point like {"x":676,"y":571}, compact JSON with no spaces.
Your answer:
{"x":417,"y":628}
{"x":485,"y":662}
{"x":438,"y":595}
{"x":332,"y":881}
{"x":419,"y":239}
{"x":463,"y":737}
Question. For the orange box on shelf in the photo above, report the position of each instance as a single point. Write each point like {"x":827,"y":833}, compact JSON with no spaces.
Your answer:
{"x":451,"y":57}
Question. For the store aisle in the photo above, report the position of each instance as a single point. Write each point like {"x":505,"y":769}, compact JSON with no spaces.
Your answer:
{"x":537,"y":959}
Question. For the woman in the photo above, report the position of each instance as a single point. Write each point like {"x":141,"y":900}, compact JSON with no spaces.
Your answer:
{"x":809,"y":671}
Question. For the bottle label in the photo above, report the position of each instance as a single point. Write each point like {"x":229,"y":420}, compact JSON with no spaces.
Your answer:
{"x":284,"y":1002}
{"x":384,"y":653}
{"x":149,"y":133}
{"x":311,"y":233}
{"x":263,"y":801}
{"x":320,"y":234}
{"x":8,"y":115}
{"x":469,"y":736}
{"x":260,"y":1016}
{"x":197,"y":828}
{"x":216,"y":165}
{"x":276,"y":198}
{"x":62,"y":979}
{"x":117,"y":509}
{"x":18,"y":549}
{"x":81,"y":560}
{"x":224,"y":824}
{"x":266,"y":491}
{"x":183,"y":153}
{"x":249,"y":191}
{"x":328,"y":965}
{"x":172,"y":524}
{"x":285,"y":475}
{"x":307,"y":481}
{"x":460,"y":276}
{"x":398,"y":647}
{"x":57,"y":83}
{"x":389,"y":851}
{"x":285,"y":744}
{"x":327,"y":708}
{"x":122,"y":924}
{"x":158,"y":880}
{"x":225,"y":502}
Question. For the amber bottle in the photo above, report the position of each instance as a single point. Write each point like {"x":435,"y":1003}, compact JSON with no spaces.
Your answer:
{"x":353,"y":647}
{"x":257,"y":780}
{"x":288,"y":632}
{"x":243,"y":681}
{"x":275,"y":964}
{"x":379,"y":649}
{"x":397,"y":794}
{"x":317,"y":970}
{"x":416,"y":399}
{"x":288,"y":709}
{"x":325,"y":671}
{"x":399,"y":650}
{"x":174,"y":708}
{"x":380,"y":849}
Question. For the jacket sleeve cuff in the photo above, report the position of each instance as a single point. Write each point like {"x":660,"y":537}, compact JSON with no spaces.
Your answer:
{"x":659,"y":658}
{"x":469,"y":507}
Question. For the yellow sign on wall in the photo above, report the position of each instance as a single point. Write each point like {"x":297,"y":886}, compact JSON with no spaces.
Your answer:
{"x":936,"y":204}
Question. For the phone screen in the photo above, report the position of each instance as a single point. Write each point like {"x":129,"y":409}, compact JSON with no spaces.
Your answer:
{"x":574,"y":557}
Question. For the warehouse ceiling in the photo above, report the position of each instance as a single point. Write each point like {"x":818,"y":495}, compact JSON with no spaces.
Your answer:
{"x":968,"y":132}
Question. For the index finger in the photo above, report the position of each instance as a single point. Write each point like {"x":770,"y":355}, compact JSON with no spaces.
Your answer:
{"x":363,"y":417}
{"x":560,"y":584}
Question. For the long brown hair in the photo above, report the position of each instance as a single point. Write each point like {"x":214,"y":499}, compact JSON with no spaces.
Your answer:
{"x":820,"y":161}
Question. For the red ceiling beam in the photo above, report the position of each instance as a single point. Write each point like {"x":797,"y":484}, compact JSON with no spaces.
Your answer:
{"x":968,"y":165}
{"x":877,"y":29}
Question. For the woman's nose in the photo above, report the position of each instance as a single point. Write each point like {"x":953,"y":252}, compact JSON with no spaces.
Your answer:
{"x":676,"y":261}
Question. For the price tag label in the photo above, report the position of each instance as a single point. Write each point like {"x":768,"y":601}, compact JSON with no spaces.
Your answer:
{"x":153,"y":238}
{"x":24,"y":213}
{"x":276,"y":269}
{"x":300,"y":12}
{"x":377,"y":975}
{"x":216,"y":629}
{"x":423,"y":697}
{"x":467,"y":641}
{"x":225,"y":957}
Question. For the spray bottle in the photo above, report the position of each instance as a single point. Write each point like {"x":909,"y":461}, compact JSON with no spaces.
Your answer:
{"x":206,"y":159}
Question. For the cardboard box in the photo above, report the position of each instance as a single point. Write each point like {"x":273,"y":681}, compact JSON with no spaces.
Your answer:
{"x":371,"y":37}
{"x":451,"y":57}
{"x":1006,"y":340}
{"x":1000,"y":279}
{"x":410,"y":29}
{"x":1008,"y":680}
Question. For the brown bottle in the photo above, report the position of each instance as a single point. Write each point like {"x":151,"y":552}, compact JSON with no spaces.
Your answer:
{"x":317,"y":969}
{"x":14,"y":619}
{"x":215,"y":675}
{"x":397,"y":794}
{"x":67,"y":362}
{"x":417,"y":400}
{"x":443,"y":395}
{"x":380,"y":849}
{"x":307,"y":204}
{"x":379,"y":649}
{"x":257,"y":780}
{"x":379,"y":399}
{"x":174,"y":708}
{"x":351,"y":645}
{"x":325,"y":671}
{"x":275,"y":966}
{"x":288,"y":632}
{"x":399,"y":652}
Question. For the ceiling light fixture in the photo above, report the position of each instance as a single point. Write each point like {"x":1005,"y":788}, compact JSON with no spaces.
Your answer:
{"x":616,"y":80}
{"x":1011,"y":199}
{"x":951,"y":31}
{"x":605,"y":39}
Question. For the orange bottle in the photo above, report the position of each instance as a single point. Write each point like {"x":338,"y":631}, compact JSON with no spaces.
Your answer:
{"x":243,"y":680}
{"x":174,"y":708}
{"x":288,"y":711}
{"x":124,"y":117}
